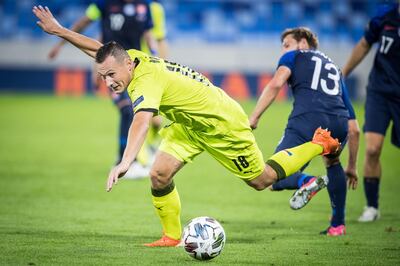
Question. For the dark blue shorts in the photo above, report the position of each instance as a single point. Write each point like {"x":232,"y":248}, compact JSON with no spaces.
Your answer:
{"x":300,"y":129}
{"x":380,"y":109}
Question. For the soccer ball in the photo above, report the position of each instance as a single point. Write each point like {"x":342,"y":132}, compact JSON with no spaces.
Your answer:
{"x":203,"y":238}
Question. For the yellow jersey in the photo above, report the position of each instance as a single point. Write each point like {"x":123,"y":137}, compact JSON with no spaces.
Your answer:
{"x":183,"y":96}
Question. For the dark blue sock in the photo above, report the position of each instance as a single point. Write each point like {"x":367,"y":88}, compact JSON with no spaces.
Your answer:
{"x":337,"y":189}
{"x":304,"y":178}
{"x":126,"y":115}
{"x":371,"y":189}
{"x":294,"y":181}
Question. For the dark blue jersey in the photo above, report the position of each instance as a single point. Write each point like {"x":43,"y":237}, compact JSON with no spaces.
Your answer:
{"x":124,"y":21}
{"x":385,"y":29}
{"x":316,"y":83}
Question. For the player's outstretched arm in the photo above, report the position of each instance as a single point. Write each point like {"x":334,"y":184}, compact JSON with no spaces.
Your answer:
{"x":50,"y":25}
{"x":269,"y":94}
{"x":137,"y":134}
{"x":80,"y":25}
{"x":357,"y":55}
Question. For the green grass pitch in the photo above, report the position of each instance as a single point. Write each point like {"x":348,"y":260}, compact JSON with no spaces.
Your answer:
{"x":55,"y":154}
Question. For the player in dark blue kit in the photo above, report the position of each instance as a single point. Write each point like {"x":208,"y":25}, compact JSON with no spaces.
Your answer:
{"x":320,"y":100}
{"x":383,"y":97}
{"x":126,"y":22}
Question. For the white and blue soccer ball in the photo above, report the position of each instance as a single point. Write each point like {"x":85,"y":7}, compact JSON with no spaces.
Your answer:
{"x":203,"y":238}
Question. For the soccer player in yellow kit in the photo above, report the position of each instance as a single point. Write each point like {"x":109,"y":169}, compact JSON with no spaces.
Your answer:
{"x":204,"y":118}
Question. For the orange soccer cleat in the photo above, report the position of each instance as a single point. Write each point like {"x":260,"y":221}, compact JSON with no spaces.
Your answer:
{"x":164,"y":241}
{"x":323,"y":137}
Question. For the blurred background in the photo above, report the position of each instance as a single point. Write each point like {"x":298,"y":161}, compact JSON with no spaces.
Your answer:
{"x":235,"y":42}
{"x":58,"y":141}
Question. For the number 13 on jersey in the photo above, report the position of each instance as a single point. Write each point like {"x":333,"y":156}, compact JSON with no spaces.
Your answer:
{"x":329,"y":71}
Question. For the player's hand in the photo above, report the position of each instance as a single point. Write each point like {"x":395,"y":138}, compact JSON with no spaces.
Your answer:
{"x":253,"y":122}
{"x":352,"y":177}
{"x":46,"y":20}
{"x":115,"y":173}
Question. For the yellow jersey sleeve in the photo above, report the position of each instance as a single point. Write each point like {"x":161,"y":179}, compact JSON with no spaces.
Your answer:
{"x":93,"y":12}
{"x":145,"y":90}
{"x":146,"y":94}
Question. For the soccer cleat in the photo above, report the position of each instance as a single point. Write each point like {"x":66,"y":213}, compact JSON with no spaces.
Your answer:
{"x":323,"y":137}
{"x":369,"y":214}
{"x":304,"y":194}
{"x":339,"y":230}
{"x":164,"y":241}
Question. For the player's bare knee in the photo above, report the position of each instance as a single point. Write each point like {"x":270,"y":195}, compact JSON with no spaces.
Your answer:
{"x":256,"y":185}
{"x":159,"y":180}
{"x":373,"y":152}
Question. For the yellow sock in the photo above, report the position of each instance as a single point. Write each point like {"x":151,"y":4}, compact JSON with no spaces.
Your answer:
{"x":289,"y":161}
{"x":168,"y":208}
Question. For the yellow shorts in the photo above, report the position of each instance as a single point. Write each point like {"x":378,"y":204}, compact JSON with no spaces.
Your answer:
{"x":236,"y":151}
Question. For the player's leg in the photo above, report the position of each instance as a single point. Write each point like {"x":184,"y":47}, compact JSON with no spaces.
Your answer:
{"x":245,"y":160}
{"x":372,"y":175}
{"x":374,"y":144}
{"x":287,"y":162}
{"x":337,"y":190}
{"x":377,"y":120}
{"x":165,"y":198}
{"x":309,"y":187}
{"x":291,"y":182}
{"x":295,"y":134}
{"x":175,"y":150}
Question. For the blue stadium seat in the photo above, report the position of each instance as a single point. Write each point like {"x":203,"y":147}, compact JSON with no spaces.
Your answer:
{"x":213,"y":20}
